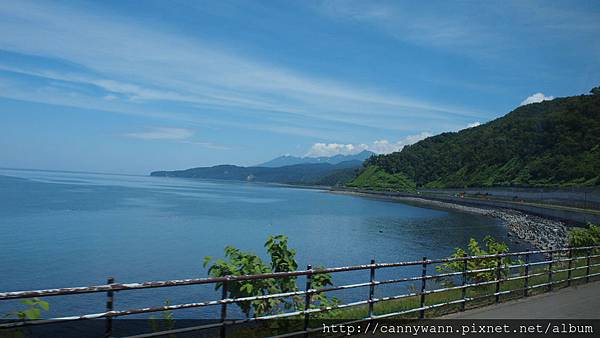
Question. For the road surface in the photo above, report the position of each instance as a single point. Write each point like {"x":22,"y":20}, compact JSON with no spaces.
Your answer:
{"x":578,"y":302}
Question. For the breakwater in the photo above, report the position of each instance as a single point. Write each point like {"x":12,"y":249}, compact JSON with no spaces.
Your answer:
{"x":543,"y":233}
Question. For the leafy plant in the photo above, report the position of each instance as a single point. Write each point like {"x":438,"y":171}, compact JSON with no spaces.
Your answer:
{"x":474,"y":249}
{"x":163,"y":322}
{"x":580,"y":237}
{"x":282,"y":259}
{"x":32,"y":311}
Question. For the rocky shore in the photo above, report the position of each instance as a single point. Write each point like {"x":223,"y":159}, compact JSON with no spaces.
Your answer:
{"x":540,"y":232}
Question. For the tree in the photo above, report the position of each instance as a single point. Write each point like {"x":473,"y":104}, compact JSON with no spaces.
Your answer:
{"x":239,"y":263}
{"x":595,"y":90}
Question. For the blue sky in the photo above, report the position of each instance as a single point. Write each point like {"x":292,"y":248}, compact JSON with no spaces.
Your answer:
{"x":130,"y":86}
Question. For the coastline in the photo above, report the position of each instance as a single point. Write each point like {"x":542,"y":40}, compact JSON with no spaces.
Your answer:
{"x":540,"y":232}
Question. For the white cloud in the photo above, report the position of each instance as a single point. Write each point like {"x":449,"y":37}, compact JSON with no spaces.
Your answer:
{"x":378,"y":146}
{"x":410,"y":139}
{"x":331,"y":149}
{"x":163,"y":134}
{"x":133,"y":63}
{"x":386,"y":147}
{"x":535,"y":98}
{"x":179,"y":135}
{"x":473,"y":125}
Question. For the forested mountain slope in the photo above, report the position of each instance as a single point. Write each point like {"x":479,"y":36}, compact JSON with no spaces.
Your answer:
{"x":551,"y":143}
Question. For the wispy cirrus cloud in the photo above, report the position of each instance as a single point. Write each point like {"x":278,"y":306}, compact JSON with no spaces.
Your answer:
{"x":131,"y":65}
{"x":162,"y":133}
{"x":180,"y":135}
{"x":463,"y":28}
{"x":410,"y":23}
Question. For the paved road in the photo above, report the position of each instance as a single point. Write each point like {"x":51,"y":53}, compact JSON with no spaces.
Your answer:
{"x":580,"y":302}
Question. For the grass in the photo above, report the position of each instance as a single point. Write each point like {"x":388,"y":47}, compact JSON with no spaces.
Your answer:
{"x":375,"y":178}
{"x":483,"y":296}
{"x":475,"y":292}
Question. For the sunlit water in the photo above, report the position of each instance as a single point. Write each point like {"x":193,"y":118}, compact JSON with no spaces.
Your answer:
{"x":72,"y":229}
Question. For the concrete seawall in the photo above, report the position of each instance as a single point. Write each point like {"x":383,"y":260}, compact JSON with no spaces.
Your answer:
{"x":565,"y":215}
{"x":569,"y":216}
{"x":542,"y":232}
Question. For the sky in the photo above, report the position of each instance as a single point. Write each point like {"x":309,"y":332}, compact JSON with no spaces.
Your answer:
{"x":135,"y":86}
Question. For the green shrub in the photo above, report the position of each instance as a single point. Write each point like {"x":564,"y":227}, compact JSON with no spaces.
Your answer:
{"x":473,"y":249}
{"x":580,"y":237}
{"x":283,"y":259}
{"x":32,"y":311}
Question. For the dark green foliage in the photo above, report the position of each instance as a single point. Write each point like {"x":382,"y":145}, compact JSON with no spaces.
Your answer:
{"x":492,"y":247}
{"x":580,"y":237}
{"x":551,"y":143}
{"x":339,"y":177}
{"x":283,"y":259}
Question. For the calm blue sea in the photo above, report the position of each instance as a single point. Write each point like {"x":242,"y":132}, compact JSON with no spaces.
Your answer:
{"x":62,"y":229}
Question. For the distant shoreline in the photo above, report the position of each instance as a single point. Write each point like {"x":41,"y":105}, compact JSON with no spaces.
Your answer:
{"x":72,"y":171}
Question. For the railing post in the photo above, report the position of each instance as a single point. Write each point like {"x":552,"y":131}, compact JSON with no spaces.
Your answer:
{"x":526,"y":286}
{"x":498,"y":277}
{"x":550,"y":265}
{"x":371,"y":288}
{"x":423,"y":286}
{"x":109,"y":307}
{"x":589,"y":263}
{"x":463,"y":283}
{"x":570,"y":267}
{"x":224,"y":292}
{"x":307,"y":298}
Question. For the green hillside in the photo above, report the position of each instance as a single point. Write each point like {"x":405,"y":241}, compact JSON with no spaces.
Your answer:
{"x":374,"y":178}
{"x":551,"y":143}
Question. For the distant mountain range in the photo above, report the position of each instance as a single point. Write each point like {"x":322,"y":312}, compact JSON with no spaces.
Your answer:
{"x":301,"y":174}
{"x":326,"y":171}
{"x":286,"y":160}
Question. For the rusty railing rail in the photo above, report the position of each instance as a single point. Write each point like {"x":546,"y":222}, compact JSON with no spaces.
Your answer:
{"x":553,"y":259}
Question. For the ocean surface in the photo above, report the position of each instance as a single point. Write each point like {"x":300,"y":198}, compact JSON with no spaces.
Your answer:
{"x":60,"y":229}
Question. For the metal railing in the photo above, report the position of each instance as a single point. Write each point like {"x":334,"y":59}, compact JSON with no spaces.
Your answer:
{"x":554,"y":263}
